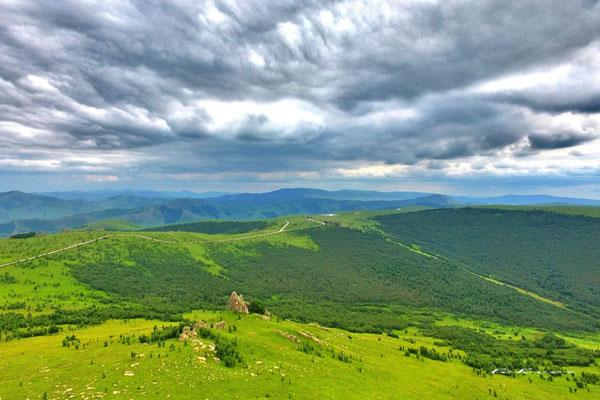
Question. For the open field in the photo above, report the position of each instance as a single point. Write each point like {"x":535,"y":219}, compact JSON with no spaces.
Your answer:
{"x":111,"y":363}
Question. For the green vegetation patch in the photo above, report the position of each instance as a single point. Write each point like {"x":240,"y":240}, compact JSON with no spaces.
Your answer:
{"x":547,"y":352}
{"x":553,"y":255}
{"x":214,"y":227}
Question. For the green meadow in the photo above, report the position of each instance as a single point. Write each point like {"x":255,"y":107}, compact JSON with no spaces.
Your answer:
{"x":109,"y":362}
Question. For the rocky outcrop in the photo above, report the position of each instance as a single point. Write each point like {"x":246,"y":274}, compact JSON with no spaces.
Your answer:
{"x":237,"y":304}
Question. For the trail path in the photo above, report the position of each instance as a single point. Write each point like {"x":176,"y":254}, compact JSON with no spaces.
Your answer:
{"x":485,"y":278}
{"x":283,"y":229}
{"x":54,"y":251}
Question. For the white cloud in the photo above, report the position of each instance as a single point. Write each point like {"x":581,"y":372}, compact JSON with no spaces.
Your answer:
{"x":39,"y":83}
{"x":101,"y":178}
{"x":256,"y":58}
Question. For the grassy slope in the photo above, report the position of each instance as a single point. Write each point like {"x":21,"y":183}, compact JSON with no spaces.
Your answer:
{"x":13,"y":249}
{"x":43,"y":287}
{"x":275,"y":368}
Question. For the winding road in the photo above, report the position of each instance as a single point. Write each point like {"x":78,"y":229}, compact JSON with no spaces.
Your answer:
{"x":135,"y":235}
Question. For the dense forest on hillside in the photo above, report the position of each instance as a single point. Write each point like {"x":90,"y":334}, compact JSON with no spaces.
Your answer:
{"x":214,"y":227}
{"x":347,"y":278}
{"x":557,"y":256}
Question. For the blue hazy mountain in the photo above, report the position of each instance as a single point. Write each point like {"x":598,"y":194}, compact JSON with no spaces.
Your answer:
{"x":23,"y":212}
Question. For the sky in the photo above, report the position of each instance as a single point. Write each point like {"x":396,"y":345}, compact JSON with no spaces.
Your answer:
{"x":457,"y":97}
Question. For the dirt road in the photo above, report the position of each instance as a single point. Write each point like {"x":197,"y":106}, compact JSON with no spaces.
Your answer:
{"x":135,"y":235}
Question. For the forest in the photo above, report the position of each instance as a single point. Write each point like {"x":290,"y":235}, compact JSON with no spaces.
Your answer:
{"x":346,"y":278}
{"x":213,"y":227}
{"x":548,"y":253}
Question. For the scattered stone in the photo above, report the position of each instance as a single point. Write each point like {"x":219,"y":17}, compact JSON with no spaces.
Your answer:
{"x":200,"y":324}
{"x":286,"y":335}
{"x":316,"y":325}
{"x":128,"y":373}
{"x":309,"y":336}
{"x":220,"y":325}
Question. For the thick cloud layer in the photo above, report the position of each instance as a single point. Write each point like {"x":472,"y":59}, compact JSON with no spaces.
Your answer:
{"x":146,"y":92}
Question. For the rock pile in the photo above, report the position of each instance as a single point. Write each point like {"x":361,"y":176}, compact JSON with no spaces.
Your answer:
{"x":190,"y":334}
{"x":187,"y":333}
{"x":237,"y":304}
{"x":307,"y":335}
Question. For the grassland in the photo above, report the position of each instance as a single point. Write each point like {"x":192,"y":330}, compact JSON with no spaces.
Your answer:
{"x":107,"y":365}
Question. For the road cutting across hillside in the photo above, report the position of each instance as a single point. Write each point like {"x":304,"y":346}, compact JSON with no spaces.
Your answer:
{"x":283,"y":229}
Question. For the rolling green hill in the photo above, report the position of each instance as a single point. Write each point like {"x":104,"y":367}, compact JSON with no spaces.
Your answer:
{"x":384,"y":307}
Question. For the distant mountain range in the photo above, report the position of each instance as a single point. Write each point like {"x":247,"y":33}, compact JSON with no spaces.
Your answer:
{"x":25,"y":212}
{"x":100,"y":195}
{"x":524,"y":200}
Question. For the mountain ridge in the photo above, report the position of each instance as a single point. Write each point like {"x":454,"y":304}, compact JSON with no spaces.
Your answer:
{"x":23,"y":212}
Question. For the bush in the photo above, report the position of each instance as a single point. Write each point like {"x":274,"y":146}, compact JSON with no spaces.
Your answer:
{"x":432,"y":354}
{"x":257,"y":308}
{"x":227,"y":351}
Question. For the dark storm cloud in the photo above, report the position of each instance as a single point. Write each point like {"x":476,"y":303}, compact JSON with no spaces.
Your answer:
{"x":132,"y":76}
{"x":558,"y":140}
{"x":558,"y":102}
{"x":447,"y":127}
